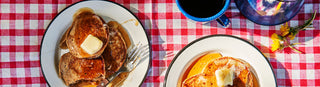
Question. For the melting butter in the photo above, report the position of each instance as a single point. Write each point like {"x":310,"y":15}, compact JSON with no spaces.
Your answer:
{"x":91,"y":44}
{"x":224,"y":77}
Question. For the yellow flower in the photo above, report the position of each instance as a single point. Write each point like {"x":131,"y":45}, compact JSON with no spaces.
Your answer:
{"x":281,"y":41}
{"x":276,"y":42}
{"x":284,"y":29}
{"x":291,"y":36}
{"x":275,"y":36}
{"x":275,"y":46}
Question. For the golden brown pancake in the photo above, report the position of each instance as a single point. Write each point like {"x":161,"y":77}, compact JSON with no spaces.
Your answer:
{"x":115,"y":52}
{"x":242,"y":70}
{"x":73,"y":69}
{"x":243,"y":73}
{"x":200,"y":80}
{"x":85,"y":23}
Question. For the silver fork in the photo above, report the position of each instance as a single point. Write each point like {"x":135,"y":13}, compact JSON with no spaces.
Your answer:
{"x":133,"y":58}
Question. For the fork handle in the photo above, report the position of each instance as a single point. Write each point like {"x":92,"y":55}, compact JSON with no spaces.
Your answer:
{"x":106,"y":81}
{"x":113,"y":76}
{"x":103,"y":83}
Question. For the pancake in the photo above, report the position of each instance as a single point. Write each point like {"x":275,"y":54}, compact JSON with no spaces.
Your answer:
{"x":85,"y":23}
{"x":73,"y":70}
{"x":84,"y":83}
{"x":200,"y":80}
{"x":243,"y":73}
{"x":242,"y":70}
{"x":115,"y":52}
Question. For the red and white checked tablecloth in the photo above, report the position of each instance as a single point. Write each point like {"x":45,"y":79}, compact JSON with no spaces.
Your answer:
{"x":23,"y":23}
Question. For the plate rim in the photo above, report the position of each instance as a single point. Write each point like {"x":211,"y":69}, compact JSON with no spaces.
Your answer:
{"x":209,"y":36}
{"x":144,"y":30}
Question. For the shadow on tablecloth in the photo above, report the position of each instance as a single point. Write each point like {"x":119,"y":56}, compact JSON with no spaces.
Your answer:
{"x":159,"y":60}
{"x":280,"y":71}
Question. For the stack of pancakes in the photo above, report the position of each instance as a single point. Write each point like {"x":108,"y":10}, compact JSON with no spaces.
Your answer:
{"x":243,"y":73}
{"x":77,"y":67}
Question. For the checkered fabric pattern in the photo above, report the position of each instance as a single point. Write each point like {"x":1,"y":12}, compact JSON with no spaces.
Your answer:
{"x":23,"y":23}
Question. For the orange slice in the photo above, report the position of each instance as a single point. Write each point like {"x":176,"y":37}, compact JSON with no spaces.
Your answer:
{"x":200,"y":65}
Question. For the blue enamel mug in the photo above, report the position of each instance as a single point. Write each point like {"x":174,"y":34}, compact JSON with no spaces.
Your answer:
{"x":218,"y":15}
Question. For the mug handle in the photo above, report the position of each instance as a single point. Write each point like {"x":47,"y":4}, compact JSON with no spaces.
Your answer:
{"x":223,"y":21}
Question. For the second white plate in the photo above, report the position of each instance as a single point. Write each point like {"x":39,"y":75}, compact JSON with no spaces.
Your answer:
{"x":228,"y":46}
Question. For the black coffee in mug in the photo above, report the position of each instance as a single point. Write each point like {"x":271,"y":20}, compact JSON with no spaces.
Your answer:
{"x":202,"y":8}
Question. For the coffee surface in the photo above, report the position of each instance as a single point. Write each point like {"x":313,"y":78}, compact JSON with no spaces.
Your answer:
{"x":202,"y":8}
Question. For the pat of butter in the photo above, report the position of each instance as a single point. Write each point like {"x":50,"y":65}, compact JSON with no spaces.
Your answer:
{"x":224,"y":77}
{"x":91,"y":44}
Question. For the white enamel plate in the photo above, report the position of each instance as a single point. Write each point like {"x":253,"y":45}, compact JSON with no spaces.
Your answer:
{"x":226,"y":45}
{"x":50,"y":52}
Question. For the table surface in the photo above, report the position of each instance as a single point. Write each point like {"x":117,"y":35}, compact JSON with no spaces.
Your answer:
{"x":23,"y":24}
